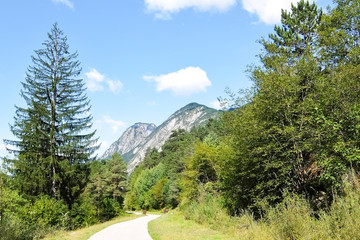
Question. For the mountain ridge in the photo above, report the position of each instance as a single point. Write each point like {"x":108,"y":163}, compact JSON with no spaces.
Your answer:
{"x":187,"y":117}
{"x":131,"y":138}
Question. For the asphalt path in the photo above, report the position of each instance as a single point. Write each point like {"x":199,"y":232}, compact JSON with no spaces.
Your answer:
{"x":136,"y":229}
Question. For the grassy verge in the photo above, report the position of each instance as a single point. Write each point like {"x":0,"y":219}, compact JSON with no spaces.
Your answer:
{"x":85,"y":233}
{"x":175,"y":227}
{"x":291,"y":219}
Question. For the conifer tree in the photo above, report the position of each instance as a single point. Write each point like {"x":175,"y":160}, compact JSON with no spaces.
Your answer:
{"x":53,"y":147}
{"x":117,"y":175}
{"x":298,"y":30}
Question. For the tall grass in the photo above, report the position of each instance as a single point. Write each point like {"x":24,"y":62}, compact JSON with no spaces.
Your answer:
{"x":291,"y":219}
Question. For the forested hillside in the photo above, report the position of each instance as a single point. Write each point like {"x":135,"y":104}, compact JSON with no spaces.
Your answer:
{"x":284,"y":154}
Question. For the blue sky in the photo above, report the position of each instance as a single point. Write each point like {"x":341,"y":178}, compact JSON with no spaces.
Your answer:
{"x":142,"y":59}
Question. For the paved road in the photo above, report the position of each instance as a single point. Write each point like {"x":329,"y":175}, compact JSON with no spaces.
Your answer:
{"x":136,"y":229}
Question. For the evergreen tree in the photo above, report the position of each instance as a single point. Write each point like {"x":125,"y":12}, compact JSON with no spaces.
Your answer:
{"x":97,"y":185}
{"x":118,"y":175}
{"x":298,"y":31}
{"x":53,"y":148}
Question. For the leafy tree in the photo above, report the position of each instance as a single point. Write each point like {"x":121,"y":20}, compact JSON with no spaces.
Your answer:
{"x":52,"y":149}
{"x":273,"y":136}
{"x":130,"y":201}
{"x":145,"y":182}
{"x":299,"y":130}
{"x":339,"y":109}
{"x":339,"y":34}
{"x":201,"y":169}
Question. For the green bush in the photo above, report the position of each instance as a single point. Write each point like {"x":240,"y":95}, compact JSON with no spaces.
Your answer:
{"x":110,"y":209}
{"x":208,"y":210}
{"x":13,"y":228}
{"x":83,"y":214}
{"x":44,"y":212}
{"x":33,"y":220}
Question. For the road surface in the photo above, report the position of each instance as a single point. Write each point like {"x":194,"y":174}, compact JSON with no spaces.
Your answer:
{"x":136,"y":229}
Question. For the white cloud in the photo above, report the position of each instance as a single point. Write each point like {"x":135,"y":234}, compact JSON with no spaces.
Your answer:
{"x":268,"y":11}
{"x":67,"y":3}
{"x":114,"y":124}
{"x":115,"y":86}
{"x":164,"y":8}
{"x":95,"y":82}
{"x":183,"y":82}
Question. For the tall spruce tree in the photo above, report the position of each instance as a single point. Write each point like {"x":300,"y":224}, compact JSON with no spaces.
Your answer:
{"x":53,"y":147}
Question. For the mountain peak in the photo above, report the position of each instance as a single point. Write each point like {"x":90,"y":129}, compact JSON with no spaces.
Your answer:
{"x":130,"y":139}
{"x":135,"y":141}
{"x":190,"y":106}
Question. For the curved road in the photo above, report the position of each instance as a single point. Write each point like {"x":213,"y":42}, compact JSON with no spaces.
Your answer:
{"x":136,"y":229}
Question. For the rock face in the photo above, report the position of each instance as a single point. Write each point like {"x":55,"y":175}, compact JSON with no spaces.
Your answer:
{"x":186,"y":118}
{"x":130,"y":139}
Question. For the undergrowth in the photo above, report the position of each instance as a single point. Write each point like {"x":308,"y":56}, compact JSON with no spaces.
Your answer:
{"x":293,"y":218}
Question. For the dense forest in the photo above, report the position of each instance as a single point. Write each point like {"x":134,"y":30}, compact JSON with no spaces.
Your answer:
{"x":292,"y":139}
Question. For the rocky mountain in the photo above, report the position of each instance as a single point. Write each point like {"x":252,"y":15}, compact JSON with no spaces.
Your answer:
{"x":186,"y":118}
{"x":130,"y":140}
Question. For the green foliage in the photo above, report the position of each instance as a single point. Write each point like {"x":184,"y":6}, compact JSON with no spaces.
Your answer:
{"x":207,"y":209}
{"x":12,"y":228}
{"x":155,"y":183}
{"x":145,"y":182}
{"x":110,"y":209}
{"x":282,"y":153}
{"x":83,"y":214}
{"x":343,"y":216}
{"x":291,"y":219}
{"x":53,"y":151}
{"x":45,"y":212}
{"x":117,"y":176}
{"x":202,"y":168}
{"x":298,"y":30}
{"x":299,"y":130}
{"x":106,"y":188}
{"x":23,"y":219}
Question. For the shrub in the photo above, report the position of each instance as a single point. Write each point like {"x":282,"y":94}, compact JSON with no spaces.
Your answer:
{"x":44,"y":212}
{"x":291,"y":219}
{"x":342,"y":221}
{"x":110,"y":209}
{"x":84,"y":214}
